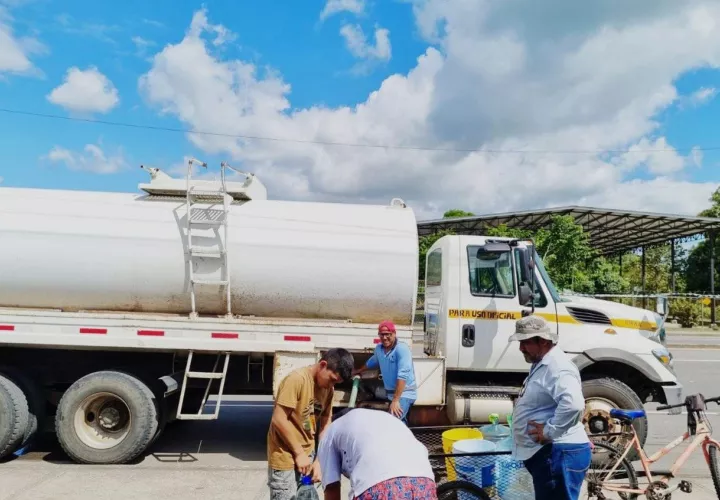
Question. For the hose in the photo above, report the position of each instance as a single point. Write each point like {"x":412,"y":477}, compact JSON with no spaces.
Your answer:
{"x":354,"y":393}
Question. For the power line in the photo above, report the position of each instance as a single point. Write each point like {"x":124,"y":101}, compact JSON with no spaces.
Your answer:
{"x":350,"y":144}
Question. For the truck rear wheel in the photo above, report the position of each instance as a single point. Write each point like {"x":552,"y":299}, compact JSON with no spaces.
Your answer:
{"x":14,"y":416}
{"x":35,"y":400}
{"x":602,"y":395}
{"x":106,"y":417}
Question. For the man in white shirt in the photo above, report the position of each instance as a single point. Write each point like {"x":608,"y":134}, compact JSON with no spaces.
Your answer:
{"x":548,"y":432}
{"x":378,"y":453}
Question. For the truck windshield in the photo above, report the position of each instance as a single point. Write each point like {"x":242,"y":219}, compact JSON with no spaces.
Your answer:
{"x":546,"y":277}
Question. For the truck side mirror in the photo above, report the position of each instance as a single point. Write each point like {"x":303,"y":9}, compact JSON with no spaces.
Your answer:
{"x":662,"y":306}
{"x":526,"y":265}
{"x":525,"y":294}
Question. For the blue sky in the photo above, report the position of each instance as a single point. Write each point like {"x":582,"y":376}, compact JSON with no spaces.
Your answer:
{"x":489,"y":79}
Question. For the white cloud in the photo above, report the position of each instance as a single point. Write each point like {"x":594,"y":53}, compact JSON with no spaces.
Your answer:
{"x":658,"y":157}
{"x":200,"y":24}
{"x":703,"y":95}
{"x":91,"y":159}
{"x":548,"y":85}
{"x":15,"y":52}
{"x":332,"y":7}
{"x":141,"y":43}
{"x":359,"y":47}
{"x":85,"y":91}
{"x":154,"y":23}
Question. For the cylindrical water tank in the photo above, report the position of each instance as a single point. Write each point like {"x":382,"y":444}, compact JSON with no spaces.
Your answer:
{"x":80,"y":250}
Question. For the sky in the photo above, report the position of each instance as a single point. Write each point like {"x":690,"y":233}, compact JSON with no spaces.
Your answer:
{"x":480,"y":105}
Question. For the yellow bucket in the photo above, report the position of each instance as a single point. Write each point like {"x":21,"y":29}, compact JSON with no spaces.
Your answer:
{"x":449,"y":438}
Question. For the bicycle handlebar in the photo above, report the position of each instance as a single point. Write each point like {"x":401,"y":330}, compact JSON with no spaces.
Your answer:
{"x":708,"y":400}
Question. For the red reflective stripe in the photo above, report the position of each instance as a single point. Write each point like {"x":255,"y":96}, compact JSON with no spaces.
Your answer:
{"x":151,"y":333}
{"x":99,"y":331}
{"x":7,"y":328}
{"x":297,"y":338}
{"x":225,"y":335}
{"x":376,"y":341}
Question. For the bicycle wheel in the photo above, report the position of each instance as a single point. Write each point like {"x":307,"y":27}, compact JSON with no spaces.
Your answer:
{"x":714,"y":467}
{"x":598,"y":477}
{"x":461,"y":490}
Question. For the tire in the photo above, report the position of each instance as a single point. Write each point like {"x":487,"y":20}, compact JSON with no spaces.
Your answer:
{"x":714,"y":467}
{"x":14,"y":416}
{"x":604,"y":457}
{"x":452,"y":490}
{"x":36,"y":404}
{"x":106,"y":417}
{"x":608,"y":392}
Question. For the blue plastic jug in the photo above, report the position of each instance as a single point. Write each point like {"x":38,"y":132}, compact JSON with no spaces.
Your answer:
{"x":495,"y":431}
{"x":306,"y":490}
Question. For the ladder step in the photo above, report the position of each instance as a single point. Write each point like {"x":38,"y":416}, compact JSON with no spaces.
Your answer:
{"x":195,"y":416}
{"x":205,"y":375}
{"x":211,"y":282}
{"x":208,"y":222}
{"x":206,"y":252}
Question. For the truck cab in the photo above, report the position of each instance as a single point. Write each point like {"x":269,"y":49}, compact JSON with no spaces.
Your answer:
{"x":476,"y":287}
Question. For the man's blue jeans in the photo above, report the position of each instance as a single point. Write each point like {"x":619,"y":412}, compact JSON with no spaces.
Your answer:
{"x":558,"y":470}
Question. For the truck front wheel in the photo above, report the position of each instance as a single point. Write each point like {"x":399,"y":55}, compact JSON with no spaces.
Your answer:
{"x":602,"y":395}
{"x":106,"y":417}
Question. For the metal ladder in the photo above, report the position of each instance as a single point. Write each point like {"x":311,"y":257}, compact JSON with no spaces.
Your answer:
{"x":209,"y":376}
{"x":206,"y":197}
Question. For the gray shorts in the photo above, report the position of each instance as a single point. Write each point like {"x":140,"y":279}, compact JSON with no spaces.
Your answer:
{"x":283,"y":484}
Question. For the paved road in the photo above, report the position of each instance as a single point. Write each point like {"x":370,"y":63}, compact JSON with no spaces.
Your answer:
{"x":226,"y":459}
{"x":699,"y":372}
{"x":694,"y":340}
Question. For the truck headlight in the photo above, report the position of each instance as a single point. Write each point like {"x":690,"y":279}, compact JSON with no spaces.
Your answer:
{"x":664,"y":356}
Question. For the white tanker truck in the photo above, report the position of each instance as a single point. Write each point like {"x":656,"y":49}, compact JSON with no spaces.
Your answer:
{"x":120,"y":313}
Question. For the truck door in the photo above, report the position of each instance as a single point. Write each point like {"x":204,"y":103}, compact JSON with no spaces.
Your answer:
{"x":490,"y":305}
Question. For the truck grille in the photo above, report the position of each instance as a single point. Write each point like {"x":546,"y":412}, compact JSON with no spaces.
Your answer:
{"x":589,"y":316}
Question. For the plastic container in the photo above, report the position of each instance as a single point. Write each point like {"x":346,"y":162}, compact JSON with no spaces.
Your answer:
{"x":306,"y":490}
{"x":449,"y":438}
{"x":495,"y":432}
{"x":513,"y":480}
{"x":479,"y":470}
{"x":504,"y":444}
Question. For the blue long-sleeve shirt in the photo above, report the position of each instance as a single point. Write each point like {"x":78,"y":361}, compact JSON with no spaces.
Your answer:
{"x":394,"y":365}
{"x":552,"y":395}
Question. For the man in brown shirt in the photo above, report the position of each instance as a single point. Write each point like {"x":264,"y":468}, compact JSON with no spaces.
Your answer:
{"x":304,"y":397}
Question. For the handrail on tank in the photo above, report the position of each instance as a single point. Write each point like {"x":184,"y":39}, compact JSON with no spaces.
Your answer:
{"x":189,"y":170}
{"x":225,"y":165}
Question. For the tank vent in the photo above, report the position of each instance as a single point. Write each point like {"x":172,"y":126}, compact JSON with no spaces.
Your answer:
{"x":589,"y":316}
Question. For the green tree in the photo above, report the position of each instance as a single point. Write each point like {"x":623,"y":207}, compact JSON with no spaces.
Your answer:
{"x":714,"y":210}
{"x":425,"y":242}
{"x":456,"y":212}
{"x":503,"y":231}
{"x":565,"y":249}
{"x":606,"y":277}
{"x":697,"y":268}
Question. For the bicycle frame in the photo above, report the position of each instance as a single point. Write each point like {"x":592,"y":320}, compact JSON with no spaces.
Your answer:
{"x":702,"y":436}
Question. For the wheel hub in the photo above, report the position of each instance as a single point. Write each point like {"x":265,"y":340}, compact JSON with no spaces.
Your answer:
{"x":102,"y":421}
{"x":597,"y":419}
{"x":109,"y":418}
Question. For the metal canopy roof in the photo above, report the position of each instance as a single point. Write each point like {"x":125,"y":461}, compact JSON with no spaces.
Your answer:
{"x":611,"y":231}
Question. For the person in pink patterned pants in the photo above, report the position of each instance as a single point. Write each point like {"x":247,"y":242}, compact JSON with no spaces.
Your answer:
{"x":379,"y":454}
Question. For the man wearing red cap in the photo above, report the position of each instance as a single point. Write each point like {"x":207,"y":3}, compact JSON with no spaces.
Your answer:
{"x":394,"y":359}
